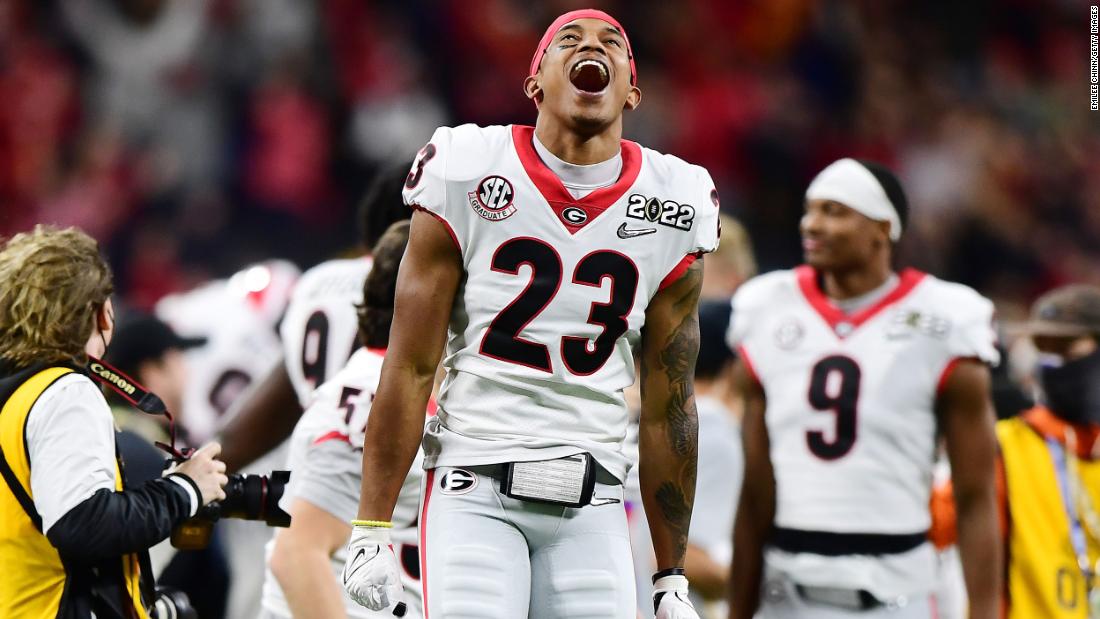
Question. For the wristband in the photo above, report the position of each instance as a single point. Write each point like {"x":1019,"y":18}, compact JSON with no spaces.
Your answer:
{"x":377,"y":524}
{"x":672,"y":571}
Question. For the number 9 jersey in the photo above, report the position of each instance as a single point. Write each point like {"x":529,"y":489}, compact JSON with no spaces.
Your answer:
{"x":851,"y":412}
{"x":320,"y":330}
{"x":543,"y":326}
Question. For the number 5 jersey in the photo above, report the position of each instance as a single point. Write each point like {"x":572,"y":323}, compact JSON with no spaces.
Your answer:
{"x":851,"y":419}
{"x":555,"y":291}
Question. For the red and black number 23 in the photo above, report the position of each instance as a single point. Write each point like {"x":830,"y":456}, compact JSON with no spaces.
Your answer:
{"x":581,"y":356}
{"x":422,"y":158}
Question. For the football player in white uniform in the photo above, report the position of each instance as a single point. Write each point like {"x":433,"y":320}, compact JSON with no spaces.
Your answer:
{"x":851,"y":372}
{"x":537,"y":254}
{"x":237,"y":316}
{"x":317,"y":333}
{"x":305,"y":560}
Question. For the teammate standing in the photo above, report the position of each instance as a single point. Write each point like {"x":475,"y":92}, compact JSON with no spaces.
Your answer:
{"x":859,"y":369}
{"x":538,"y":254}
{"x":304,"y":560}
{"x":318,"y":333}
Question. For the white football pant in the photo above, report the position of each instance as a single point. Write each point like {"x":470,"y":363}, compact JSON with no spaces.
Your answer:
{"x":487,"y":556}
{"x":781,"y":600}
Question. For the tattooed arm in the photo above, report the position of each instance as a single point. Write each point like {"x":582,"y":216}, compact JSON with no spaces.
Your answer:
{"x":669,"y":427}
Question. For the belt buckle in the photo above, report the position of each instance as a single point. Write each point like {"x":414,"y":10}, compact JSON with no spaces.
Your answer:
{"x":847,"y":599}
{"x":568,"y":481}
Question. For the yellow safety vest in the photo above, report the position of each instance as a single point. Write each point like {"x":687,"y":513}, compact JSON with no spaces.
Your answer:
{"x":1044,"y":579}
{"x":34,"y":577}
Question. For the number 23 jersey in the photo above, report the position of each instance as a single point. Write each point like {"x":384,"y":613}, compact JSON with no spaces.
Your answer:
{"x":555,"y":291}
{"x":851,"y":398}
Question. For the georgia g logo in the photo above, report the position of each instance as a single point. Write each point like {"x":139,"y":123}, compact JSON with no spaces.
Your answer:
{"x":493,"y":198}
{"x":457,"y":481}
{"x":574,"y":215}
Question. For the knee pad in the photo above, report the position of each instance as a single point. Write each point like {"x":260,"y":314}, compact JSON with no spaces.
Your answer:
{"x":474,"y":580}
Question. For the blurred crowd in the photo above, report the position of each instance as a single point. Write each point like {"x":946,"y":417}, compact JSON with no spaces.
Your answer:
{"x":193,"y":136}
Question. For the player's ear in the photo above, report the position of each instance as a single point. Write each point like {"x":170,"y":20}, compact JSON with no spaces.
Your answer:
{"x":633,"y":98}
{"x":884,"y":233}
{"x":532,"y":89}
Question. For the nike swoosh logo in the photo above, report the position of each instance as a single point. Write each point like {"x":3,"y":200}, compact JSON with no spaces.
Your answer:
{"x":358,"y":566}
{"x":629,"y":233}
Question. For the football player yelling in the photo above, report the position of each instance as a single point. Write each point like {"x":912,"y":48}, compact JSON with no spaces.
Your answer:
{"x":527,"y":263}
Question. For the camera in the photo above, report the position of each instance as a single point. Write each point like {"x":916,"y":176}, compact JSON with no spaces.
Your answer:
{"x":172,"y":604}
{"x":248,"y":497}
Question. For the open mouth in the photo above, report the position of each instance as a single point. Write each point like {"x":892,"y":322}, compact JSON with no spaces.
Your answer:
{"x":811,"y":244}
{"x":590,"y":76}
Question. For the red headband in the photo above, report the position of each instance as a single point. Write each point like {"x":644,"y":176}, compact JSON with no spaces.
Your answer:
{"x":544,"y":43}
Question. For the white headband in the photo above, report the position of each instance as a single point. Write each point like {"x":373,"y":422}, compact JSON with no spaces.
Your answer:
{"x":848,"y":182}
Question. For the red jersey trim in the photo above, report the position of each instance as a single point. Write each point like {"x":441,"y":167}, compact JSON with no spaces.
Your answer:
{"x":678,"y":271}
{"x":948,"y":369}
{"x":555,"y":193}
{"x":749,"y":367}
{"x":445,"y":223}
{"x":334,"y":435}
{"x":428,"y":486}
{"x":807,"y":283}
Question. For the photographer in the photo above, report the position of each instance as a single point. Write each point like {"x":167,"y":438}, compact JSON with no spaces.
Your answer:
{"x":73,"y":536}
{"x":1048,"y":469}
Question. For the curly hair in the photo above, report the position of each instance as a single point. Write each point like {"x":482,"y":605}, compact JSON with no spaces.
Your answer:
{"x":52,"y":284}
{"x":380,"y":287}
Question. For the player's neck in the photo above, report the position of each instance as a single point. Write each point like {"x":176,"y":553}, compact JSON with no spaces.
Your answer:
{"x":576,"y":148}
{"x":848,"y":284}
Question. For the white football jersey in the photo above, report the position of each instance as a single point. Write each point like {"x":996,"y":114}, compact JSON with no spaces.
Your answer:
{"x":541,"y":336}
{"x":320,"y":329}
{"x":850,"y":412}
{"x":237,"y":317}
{"x":326,"y":454}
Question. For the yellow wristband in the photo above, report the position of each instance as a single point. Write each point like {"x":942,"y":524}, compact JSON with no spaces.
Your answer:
{"x":378,"y":524}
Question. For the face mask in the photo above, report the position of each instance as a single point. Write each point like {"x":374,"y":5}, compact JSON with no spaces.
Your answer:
{"x":1072,"y":389}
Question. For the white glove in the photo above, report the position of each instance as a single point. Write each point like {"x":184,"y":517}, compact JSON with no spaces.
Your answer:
{"x":371,"y":574}
{"x":670,"y":598}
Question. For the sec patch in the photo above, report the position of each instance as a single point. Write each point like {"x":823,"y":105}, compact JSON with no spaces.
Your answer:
{"x":493,"y":198}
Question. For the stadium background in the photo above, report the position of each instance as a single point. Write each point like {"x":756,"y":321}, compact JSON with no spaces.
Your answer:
{"x":193,"y":137}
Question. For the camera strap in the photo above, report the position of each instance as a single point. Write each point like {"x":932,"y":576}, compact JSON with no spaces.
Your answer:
{"x":140,"y":398}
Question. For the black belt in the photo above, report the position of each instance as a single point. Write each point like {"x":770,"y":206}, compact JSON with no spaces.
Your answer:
{"x":831,"y":544}
{"x":848,"y":599}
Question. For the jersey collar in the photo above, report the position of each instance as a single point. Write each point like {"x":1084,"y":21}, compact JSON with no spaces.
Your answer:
{"x":555,"y":193}
{"x":843,"y":324}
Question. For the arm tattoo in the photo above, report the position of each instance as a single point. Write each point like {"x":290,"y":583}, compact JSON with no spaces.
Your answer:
{"x":676,"y":510}
{"x":677,"y":360}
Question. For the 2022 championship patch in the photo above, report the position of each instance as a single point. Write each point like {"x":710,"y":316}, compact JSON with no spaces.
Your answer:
{"x":667,"y":212}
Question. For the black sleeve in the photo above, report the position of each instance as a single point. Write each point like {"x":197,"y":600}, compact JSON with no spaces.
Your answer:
{"x":108,"y":523}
